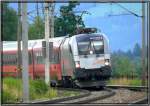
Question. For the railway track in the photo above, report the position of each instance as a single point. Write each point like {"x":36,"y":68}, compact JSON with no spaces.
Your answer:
{"x":83,"y":93}
{"x":86,"y":96}
{"x":93,"y":95}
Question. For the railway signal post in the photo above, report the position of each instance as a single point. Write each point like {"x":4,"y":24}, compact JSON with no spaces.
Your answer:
{"x":25,"y":74}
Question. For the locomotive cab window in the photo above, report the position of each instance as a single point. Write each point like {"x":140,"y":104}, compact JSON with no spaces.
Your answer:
{"x":98,"y":47}
{"x":90,"y":42}
{"x":83,"y":47}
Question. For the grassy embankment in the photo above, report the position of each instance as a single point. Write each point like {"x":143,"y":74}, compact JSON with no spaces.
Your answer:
{"x":12,"y":91}
{"x":124,"y":81}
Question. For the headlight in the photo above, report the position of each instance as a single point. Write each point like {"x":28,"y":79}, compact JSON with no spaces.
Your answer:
{"x":91,"y":52}
{"x":77,"y":64}
{"x":107,"y":62}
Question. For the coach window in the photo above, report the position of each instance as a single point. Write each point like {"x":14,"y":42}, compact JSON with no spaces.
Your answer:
{"x":39,"y":58}
{"x":55,"y":57}
{"x":30,"y":58}
{"x":7,"y":59}
{"x":4,"y":59}
{"x":13,"y":59}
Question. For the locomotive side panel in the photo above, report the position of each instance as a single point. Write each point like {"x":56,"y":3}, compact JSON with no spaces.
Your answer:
{"x":66,"y":59}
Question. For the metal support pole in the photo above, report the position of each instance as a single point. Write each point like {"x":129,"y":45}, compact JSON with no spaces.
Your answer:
{"x":1,"y":47}
{"x":37,"y":9}
{"x":148,"y":42}
{"x":19,"y":40}
{"x":47,"y":69}
{"x":143,"y":43}
{"x":25,"y":74}
{"x":52,"y":6}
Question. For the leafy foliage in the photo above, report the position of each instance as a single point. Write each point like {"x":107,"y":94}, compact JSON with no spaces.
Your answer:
{"x":64,"y":24}
{"x":36,"y":29}
{"x":38,"y":86}
{"x":137,"y":50}
{"x":9,"y":22}
{"x":127,"y":64}
{"x":125,"y":81}
{"x":12,"y":90}
{"x":68,"y":20}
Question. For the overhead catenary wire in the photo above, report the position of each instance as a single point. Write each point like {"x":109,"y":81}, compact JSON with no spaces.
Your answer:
{"x":131,"y":12}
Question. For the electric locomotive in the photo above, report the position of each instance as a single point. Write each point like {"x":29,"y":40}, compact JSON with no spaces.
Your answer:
{"x":82,"y":60}
{"x":85,"y":59}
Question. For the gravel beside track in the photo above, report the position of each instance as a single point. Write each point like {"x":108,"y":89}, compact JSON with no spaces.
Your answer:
{"x":123,"y":95}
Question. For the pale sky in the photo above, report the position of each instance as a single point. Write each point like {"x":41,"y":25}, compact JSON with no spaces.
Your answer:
{"x":123,"y":31}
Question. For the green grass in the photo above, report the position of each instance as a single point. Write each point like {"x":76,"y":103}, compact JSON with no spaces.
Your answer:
{"x":70,"y":93}
{"x":125,"y":81}
{"x":12,"y":91}
{"x":39,"y":90}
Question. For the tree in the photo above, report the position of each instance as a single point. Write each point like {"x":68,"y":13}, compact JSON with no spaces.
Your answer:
{"x":129,"y":54}
{"x":122,"y":65}
{"x":36,"y":29}
{"x":63,"y":24}
{"x":9,"y":23}
{"x":137,"y":50}
{"x":68,"y":20}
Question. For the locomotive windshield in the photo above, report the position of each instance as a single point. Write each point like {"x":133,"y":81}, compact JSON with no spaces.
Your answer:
{"x":90,"y":43}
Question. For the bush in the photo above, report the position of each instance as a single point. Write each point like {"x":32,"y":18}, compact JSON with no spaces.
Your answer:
{"x":38,"y":86}
{"x":7,"y":97}
{"x":13,"y":83}
{"x":11,"y":91}
{"x":124,"y":81}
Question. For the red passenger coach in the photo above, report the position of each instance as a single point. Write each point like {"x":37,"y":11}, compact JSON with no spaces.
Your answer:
{"x":9,"y":63}
{"x":36,"y":61}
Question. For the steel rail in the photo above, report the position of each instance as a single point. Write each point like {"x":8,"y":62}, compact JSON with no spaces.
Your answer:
{"x":135,"y":88}
{"x":88,"y":100}
{"x":138,"y":88}
{"x":84,"y":94}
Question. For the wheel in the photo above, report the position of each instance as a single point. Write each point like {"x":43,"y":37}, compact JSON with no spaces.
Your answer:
{"x":101,"y":87}
{"x":53,"y":84}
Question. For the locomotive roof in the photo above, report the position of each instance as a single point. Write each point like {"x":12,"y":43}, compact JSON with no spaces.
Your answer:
{"x":12,"y":45}
{"x":100,"y":34}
